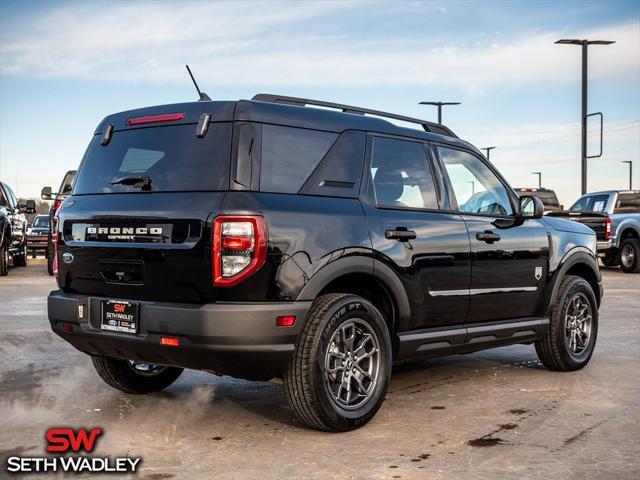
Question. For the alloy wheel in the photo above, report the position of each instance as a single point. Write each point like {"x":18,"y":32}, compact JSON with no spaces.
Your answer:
{"x":146,"y":369}
{"x":578,"y":323}
{"x":352,"y":364}
{"x":627,"y":256}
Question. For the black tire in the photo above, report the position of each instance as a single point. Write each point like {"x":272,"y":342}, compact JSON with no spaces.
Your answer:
{"x":611,"y":259}
{"x":306,"y":378}
{"x":554,"y":349}
{"x":20,"y":259}
{"x":630,"y":255}
{"x":4,"y":260}
{"x":122,"y":375}
{"x":51,"y":251}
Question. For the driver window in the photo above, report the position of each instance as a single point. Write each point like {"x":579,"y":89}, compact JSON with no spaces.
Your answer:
{"x":476,"y":187}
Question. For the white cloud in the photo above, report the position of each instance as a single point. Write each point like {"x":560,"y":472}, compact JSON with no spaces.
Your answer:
{"x":241,"y":44}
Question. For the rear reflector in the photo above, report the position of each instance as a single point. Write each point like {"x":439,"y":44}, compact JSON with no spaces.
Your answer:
{"x":164,"y":117}
{"x":67,"y":328}
{"x":286,"y":321}
{"x":169,"y":341}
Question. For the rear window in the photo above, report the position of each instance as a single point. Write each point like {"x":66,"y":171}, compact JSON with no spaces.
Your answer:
{"x":41,"y":222}
{"x":548,"y":199}
{"x":289,"y":156}
{"x":592,"y":203}
{"x":627,"y":203}
{"x":173,"y":158}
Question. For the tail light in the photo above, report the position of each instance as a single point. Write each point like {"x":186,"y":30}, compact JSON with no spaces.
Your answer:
{"x":607,"y":227}
{"x":239,"y":248}
{"x":56,"y":204}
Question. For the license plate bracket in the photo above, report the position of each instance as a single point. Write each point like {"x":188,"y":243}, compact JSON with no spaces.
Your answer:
{"x":120,"y":316}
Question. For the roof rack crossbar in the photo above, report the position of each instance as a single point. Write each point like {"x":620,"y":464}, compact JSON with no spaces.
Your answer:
{"x":301,"y":102}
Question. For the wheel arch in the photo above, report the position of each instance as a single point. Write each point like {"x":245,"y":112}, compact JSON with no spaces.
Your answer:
{"x":579,"y":262}
{"x":367,"y":278}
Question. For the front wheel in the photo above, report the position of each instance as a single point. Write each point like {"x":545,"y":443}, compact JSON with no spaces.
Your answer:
{"x":20,"y":258}
{"x":4,"y":259}
{"x":630,"y":255}
{"x":134,"y":377}
{"x":340,"y":370}
{"x":573,"y":328}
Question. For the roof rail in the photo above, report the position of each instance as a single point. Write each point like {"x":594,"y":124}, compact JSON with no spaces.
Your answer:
{"x":301,"y":102}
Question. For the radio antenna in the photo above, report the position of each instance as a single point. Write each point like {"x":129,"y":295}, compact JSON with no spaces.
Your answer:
{"x":203,"y":96}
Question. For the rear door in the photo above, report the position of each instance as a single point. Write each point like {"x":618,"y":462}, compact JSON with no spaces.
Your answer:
{"x":138,"y":224}
{"x":413,"y":233}
{"x":509,"y":255}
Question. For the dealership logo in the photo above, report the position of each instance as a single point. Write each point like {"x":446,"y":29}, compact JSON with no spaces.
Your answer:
{"x":67,"y":441}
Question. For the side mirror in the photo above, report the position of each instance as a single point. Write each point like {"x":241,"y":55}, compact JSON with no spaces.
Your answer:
{"x":531,"y":207}
{"x":45,"y":193}
{"x":28,"y":207}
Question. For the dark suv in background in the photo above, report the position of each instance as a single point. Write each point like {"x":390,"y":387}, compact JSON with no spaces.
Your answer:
{"x":267,"y":238}
{"x":13,"y":229}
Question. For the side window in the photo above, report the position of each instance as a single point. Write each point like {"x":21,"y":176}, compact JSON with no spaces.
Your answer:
{"x":3,"y":200}
{"x":476,"y":187}
{"x":628,"y":203}
{"x":12,"y":198}
{"x":401,"y":176}
{"x":289,"y":156}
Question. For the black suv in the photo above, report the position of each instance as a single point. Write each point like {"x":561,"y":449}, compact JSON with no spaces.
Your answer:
{"x":268,"y":238}
{"x":13,"y":229}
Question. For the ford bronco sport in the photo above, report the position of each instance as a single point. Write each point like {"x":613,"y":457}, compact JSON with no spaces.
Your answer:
{"x":267,"y":238}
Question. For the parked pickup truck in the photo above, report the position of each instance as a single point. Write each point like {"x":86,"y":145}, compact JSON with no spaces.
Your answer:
{"x":615,"y":217}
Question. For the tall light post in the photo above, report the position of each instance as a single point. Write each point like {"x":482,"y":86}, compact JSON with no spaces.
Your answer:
{"x":487,"y":150}
{"x":539,"y":178}
{"x":439,"y":105}
{"x":630,"y":173}
{"x":473,"y":187}
{"x":584,"y":43}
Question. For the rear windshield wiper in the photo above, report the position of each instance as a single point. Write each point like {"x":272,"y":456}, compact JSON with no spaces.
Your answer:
{"x":143,"y":181}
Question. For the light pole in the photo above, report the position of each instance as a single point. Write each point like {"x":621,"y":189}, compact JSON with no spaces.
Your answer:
{"x":539,"y":178}
{"x":439,"y":105}
{"x":584,"y":43}
{"x":487,"y":150}
{"x":473,"y":187}
{"x":630,"y":173}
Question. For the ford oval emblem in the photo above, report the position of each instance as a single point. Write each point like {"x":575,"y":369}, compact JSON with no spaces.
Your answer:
{"x":67,"y":257}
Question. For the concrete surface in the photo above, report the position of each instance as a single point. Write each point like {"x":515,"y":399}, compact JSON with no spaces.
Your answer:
{"x":494,"y":414}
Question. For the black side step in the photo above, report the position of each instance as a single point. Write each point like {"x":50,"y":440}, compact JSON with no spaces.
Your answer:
{"x":468,"y":338}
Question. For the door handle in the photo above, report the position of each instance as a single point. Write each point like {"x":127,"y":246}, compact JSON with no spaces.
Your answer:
{"x":487,"y":236}
{"x":401,"y":234}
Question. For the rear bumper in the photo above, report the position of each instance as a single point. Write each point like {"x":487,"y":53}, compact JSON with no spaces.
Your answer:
{"x":238,"y":339}
{"x":604,"y":245}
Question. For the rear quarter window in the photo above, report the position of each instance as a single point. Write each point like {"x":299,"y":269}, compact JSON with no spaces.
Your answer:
{"x":289,"y":156}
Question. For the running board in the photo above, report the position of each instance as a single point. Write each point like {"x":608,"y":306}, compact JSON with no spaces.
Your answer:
{"x":463,"y":339}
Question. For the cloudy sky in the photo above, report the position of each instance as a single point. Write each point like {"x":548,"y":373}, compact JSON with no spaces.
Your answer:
{"x":65,"y":65}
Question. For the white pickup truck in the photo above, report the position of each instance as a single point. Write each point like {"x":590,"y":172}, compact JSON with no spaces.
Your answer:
{"x":615,"y":217}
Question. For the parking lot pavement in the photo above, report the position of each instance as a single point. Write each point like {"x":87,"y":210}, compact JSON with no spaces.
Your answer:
{"x":493,"y":414}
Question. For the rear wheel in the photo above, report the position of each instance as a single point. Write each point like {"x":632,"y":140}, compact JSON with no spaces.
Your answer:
{"x":4,"y":259}
{"x":135,"y":377}
{"x":571,"y":338}
{"x":339,"y":373}
{"x":630,"y":255}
